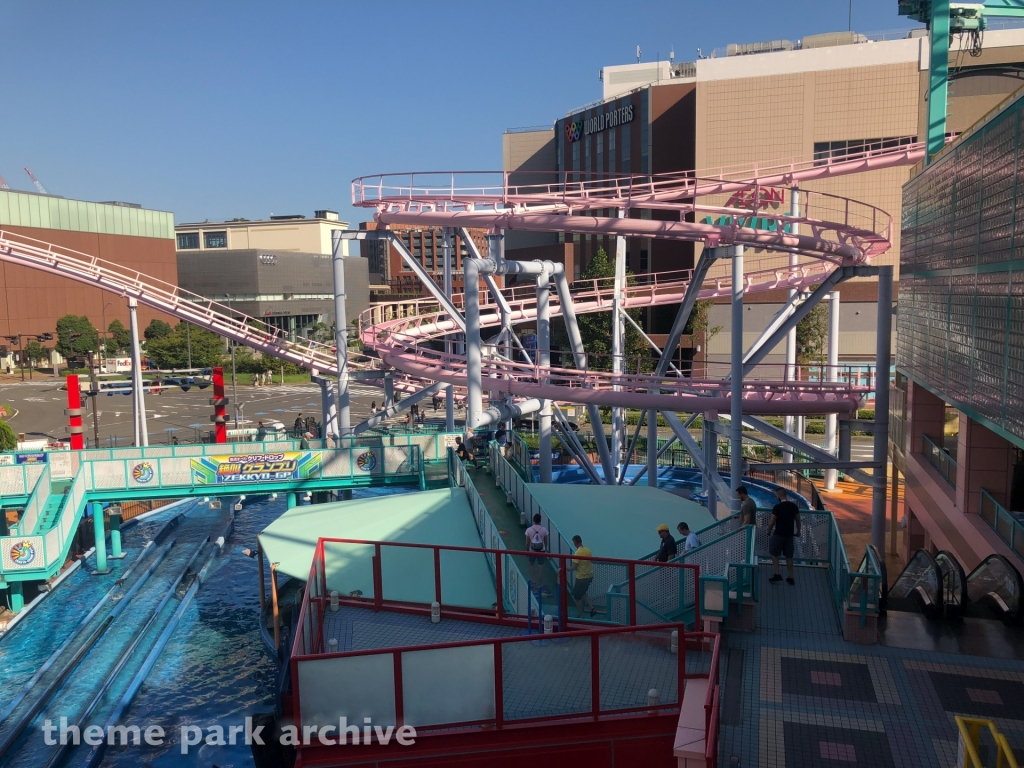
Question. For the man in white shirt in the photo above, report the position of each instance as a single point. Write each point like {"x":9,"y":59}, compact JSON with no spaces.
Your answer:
{"x":689,"y":537}
{"x":537,"y":541}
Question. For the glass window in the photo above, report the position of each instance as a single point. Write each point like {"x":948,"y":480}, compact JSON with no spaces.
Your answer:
{"x":215,"y":239}
{"x":643,"y":260}
{"x":611,"y":140}
{"x":600,"y":143}
{"x":188,"y":241}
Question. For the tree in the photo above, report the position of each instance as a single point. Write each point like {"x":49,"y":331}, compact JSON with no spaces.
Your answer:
{"x":596,"y":328}
{"x":76,"y":336}
{"x":36,"y":352}
{"x":321,"y":333}
{"x":8,"y":440}
{"x":812,"y":338}
{"x":157,"y":329}
{"x":119,"y":338}
{"x":171,"y":350}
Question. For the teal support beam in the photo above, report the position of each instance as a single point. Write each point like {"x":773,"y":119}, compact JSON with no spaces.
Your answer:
{"x":17,"y":596}
{"x":291,"y":501}
{"x":115,"y":532}
{"x":101,"y":538}
{"x":938,"y":77}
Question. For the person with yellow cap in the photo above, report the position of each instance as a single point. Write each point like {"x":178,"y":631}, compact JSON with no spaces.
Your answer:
{"x":667,"y":550}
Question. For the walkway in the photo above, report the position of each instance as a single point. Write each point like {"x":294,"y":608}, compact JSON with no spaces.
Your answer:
{"x":852,"y":508}
{"x":797,"y":696}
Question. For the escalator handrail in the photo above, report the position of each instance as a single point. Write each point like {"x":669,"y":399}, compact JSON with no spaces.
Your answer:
{"x":1019,"y":614}
{"x":963,"y":581}
{"x":938,"y":576}
{"x":883,"y":582}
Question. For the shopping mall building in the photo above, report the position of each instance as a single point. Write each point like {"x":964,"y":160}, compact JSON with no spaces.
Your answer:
{"x":756,"y":103}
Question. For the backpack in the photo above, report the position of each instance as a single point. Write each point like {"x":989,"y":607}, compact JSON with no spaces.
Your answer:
{"x":537,"y":540}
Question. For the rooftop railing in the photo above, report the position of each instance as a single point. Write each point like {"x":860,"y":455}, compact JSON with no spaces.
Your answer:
{"x":1009,"y":525}
{"x":944,"y":464}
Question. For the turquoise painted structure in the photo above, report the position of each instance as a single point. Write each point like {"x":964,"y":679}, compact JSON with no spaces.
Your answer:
{"x":68,"y":481}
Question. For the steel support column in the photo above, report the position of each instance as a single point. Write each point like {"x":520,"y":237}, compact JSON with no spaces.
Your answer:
{"x":652,"y":448}
{"x":449,"y":390}
{"x":474,"y":363}
{"x":618,"y":345}
{"x":139,"y":398}
{"x":340,"y":335}
{"x":883,"y":354}
{"x":938,"y":78}
{"x":544,"y":361}
{"x":790,"y":374}
{"x":700,"y":271}
{"x":831,"y":420}
{"x":736,"y":373}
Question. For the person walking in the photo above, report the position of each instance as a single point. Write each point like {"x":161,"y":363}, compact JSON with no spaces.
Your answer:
{"x":299,"y":425}
{"x":690,"y":540}
{"x":304,"y":444}
{"x":463,"y":452}
{"x":783,"y":528}
{"x":255,"y":379}
{"x":373,"y":407}
{"x":536,"y":542}
{"x":667,"y":549}
{"x":584,"y":570}
{"x":748,"y":509}
{"x":501,"y":438}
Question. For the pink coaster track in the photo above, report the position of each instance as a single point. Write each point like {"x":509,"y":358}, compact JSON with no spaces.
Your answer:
{"x":830,"y":232}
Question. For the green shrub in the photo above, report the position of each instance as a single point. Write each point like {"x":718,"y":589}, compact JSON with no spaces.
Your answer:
{"x":8,"y":440}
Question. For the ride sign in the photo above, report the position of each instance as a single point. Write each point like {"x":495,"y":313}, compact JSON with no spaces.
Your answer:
{"x":256,"y":467}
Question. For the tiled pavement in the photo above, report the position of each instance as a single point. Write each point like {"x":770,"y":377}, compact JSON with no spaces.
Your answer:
{"x":797,"y":696}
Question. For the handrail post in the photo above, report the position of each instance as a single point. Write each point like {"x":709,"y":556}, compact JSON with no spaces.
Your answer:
{"x":563,"y":594}
{"x":437,"y":574}
{"x":378,"y":581}
{"x":632,"y":594}
{"x":498,"y":586}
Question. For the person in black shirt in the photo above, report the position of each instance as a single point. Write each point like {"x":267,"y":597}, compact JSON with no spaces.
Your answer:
{"x":782,"y":529}
{"x":667,"y":550}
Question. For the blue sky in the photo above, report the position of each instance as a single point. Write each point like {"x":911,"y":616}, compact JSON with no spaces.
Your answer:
{"x":223,"y":109}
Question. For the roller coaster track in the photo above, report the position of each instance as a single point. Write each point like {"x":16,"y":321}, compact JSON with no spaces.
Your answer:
{"x":829,"y":232}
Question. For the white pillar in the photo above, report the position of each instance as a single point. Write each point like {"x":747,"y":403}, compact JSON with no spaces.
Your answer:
{"x":736,"y":379}
{"x":794,"y":210}
{"x":652,"y":448}
{"x":618,"y":346}
{"x":474,"y":364}
{"x":138,"y":398}
{"x":883,"y":354}
{"x":544,"y":360}
{"x":710,"y":461}
{"x":449,"y":391}
{"x":831,"y":475}
{"x":340,"y":333}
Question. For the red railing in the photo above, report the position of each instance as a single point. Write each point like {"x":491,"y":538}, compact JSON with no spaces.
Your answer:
{"x":508,"y":596}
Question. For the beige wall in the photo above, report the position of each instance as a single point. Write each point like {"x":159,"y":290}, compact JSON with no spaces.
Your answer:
{"x":301,"y":235}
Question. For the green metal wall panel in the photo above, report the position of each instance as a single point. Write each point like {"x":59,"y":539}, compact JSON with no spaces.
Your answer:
{"x":18,"y":209}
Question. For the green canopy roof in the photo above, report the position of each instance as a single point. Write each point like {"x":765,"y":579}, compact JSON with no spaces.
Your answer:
{"x":617,"y":520}
{"x":427,"y":517}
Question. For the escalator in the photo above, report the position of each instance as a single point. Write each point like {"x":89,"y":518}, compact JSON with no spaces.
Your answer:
{"x":935,"y":605}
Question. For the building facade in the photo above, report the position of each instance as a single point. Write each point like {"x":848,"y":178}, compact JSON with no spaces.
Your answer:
{"x":123,"y":234}
{"x":392,"y":279}
{"x":278,"y":270}
{"x":754,"y":103}
{"x":958,"y":406}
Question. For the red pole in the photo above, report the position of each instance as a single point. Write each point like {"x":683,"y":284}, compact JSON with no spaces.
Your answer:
{"x":218,"y":402}
{"x":74,"y":412}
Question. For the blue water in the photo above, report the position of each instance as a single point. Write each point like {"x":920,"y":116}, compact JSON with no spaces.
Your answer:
{"x":682,"y":479}
{"x":215,"y":669}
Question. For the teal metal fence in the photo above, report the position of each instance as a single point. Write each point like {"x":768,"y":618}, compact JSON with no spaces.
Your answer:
{"x":938,"y":458}
{"x":1009,"y":525}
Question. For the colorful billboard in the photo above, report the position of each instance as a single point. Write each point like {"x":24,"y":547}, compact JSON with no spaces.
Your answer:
{"x":256,"y":467}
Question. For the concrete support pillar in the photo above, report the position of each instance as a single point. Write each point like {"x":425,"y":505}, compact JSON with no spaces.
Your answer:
{"x":984,"y":460}
{"x":290,"y":501}
{"x":101,"y":537}
{"x":474,"y":363}
{"x":736,"y":380}
{"x":831,"y":475}
{"x":789,"y":422}
{"x":882,"y":363}
{"x":544,"y":360}
{"x":16,"y":589}
{"x":926,"y":415}
{"x":115,"y":533}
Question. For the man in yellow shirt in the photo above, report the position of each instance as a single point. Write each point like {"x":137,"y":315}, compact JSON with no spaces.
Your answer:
{"x":584,"y":570}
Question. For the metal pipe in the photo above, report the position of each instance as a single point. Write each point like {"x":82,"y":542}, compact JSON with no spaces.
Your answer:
{"x":544,"y":361}
{"x":831,"y":475}
{"x":652,"y":448}
{"x":618,"y":343}
{"x":139,"y":399}
{"x":794,"y":211}
{"x":882,"y":362}
{"x":449,"y":391}
{"x":474,"y":364}
{"x":736,"y":395}
{"x":340,"y":335}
